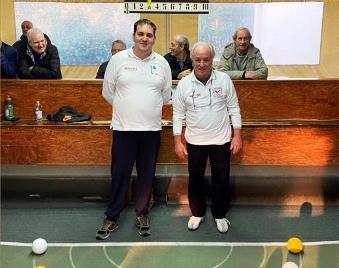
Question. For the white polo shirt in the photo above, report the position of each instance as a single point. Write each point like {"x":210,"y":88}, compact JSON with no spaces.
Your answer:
{"x":207,"y":109}
{"x":137,"y":90}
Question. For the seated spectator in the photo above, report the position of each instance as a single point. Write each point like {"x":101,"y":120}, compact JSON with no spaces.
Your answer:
{"x":25,"y":26}
{"x":37,"y":59}
{"x":117,"y":46}
{"x":179,"y":58}
{"x":9,"y":61}
{"x":241,"y":59}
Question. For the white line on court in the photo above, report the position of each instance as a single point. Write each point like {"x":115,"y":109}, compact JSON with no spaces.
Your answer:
{"x":108,"y":258}
{"x":70,"y":257}
{"x":264,"y":258}
{"x":151,"y":244}
{"x":226,"y":258}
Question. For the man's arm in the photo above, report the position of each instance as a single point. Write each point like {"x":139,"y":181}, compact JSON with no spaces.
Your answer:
{"x":101,"y":71}
{"x":24,"y":65}
{"x":236,"y":142}
{"x":167,"y":89}
{"x":108,"y":86}
{"x":9,"y":63}
{"x":234,"y":112}
{"x":179,"y":114}
{"x":261,"y":70}
{"x":179,"y":148}
{"x":225,"y":66}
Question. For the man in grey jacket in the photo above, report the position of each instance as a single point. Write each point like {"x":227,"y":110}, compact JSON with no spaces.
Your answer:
{"x":241,"y":59}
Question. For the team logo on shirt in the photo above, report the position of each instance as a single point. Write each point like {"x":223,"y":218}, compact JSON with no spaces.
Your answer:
{"x":155,"y":69}
{"x":217,"y":92}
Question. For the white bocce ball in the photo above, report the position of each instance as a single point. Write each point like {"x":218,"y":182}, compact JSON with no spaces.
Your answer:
{"x":290,"y":264}
{"x":39,"y":246}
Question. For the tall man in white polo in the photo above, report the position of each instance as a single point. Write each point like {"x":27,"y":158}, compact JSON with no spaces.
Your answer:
{"x":207,"y":100}
{"x":137,"y":83}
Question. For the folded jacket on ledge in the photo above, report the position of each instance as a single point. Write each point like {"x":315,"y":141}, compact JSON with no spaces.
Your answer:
{"x":68,"y":114}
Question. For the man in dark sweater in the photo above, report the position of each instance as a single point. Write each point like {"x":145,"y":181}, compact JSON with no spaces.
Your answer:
{"x":117,"y":46}
{"x":38,"y":60}
{"x":179,"y":57}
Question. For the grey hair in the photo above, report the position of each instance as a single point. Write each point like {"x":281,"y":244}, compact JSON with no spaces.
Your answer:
{"x":32,"y":31}
{"x":202,"y":44}
{"x":182,"y":41}
{"x":118,"y":42}
{"x":242,"y":29}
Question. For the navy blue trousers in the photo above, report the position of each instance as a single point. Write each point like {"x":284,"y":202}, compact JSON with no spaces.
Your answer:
{"x":219,"y":156}
{"x":141,"y":147}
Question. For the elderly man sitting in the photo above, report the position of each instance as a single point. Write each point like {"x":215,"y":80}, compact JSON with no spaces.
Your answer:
{"x":38,"y":60}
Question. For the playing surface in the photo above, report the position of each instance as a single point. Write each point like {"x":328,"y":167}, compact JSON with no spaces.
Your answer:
{"x":256,"y":238}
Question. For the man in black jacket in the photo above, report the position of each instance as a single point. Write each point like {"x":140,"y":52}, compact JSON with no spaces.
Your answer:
{"x":25,"y":26}
{"x":9,"y":61}
{"x":179,"y":58}
{"x":117,"y":46}
{"x":38,"y":60}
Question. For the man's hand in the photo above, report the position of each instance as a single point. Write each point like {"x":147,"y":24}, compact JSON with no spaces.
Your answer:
{"x":184,"y":73}
{"x":250,"y":75}
{"x":236,"y":142}
{"x":179,"y":148}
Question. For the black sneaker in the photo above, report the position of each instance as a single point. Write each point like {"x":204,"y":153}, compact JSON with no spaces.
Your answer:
{"x":142,"y":223}
{"x":106,"y":228}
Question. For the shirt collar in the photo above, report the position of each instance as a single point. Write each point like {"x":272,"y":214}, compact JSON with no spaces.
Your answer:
{"x":131,"y":54}
{"x":195,"y":79}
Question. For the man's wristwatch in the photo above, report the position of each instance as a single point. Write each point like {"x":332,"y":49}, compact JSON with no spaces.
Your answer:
{"x":243,"y":75}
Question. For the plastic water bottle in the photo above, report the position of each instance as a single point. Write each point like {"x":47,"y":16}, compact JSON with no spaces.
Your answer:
{"x":9,"y":109}
{"x":38,"y":111}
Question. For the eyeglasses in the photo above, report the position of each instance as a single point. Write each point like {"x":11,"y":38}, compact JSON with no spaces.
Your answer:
{"x":201,"y":101}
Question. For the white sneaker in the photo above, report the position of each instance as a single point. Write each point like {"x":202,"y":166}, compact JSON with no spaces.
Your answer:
{"x":222,"y":225}
{"x":194,"y":222}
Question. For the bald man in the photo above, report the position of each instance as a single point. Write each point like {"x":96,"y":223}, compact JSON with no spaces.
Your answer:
{"x":26,"y":25}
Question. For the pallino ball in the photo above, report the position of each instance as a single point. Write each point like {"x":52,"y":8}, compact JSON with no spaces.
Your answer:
{"x":295,"y":245}
{"x":39,"y":246}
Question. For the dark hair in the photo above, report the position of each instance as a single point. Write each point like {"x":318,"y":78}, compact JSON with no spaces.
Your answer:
{"x":142,"y":22}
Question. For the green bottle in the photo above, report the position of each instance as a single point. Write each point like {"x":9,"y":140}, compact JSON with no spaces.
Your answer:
{"x":9,"y":109}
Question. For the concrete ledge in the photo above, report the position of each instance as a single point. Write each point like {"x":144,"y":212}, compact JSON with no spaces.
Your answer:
{"x":250,"y":184}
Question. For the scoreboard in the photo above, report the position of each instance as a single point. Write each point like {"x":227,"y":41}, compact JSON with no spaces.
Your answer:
{"x":159,"y":6}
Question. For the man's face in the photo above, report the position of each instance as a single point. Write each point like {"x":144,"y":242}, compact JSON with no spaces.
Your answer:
{"x":202,"y":63}
{"x":38,"y":43}
{"x":25,"y":26}
{"x":175,"y":49}
{"x":242,"y":42}
{"x":117,"y":47}
{"x":144,"y":39}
